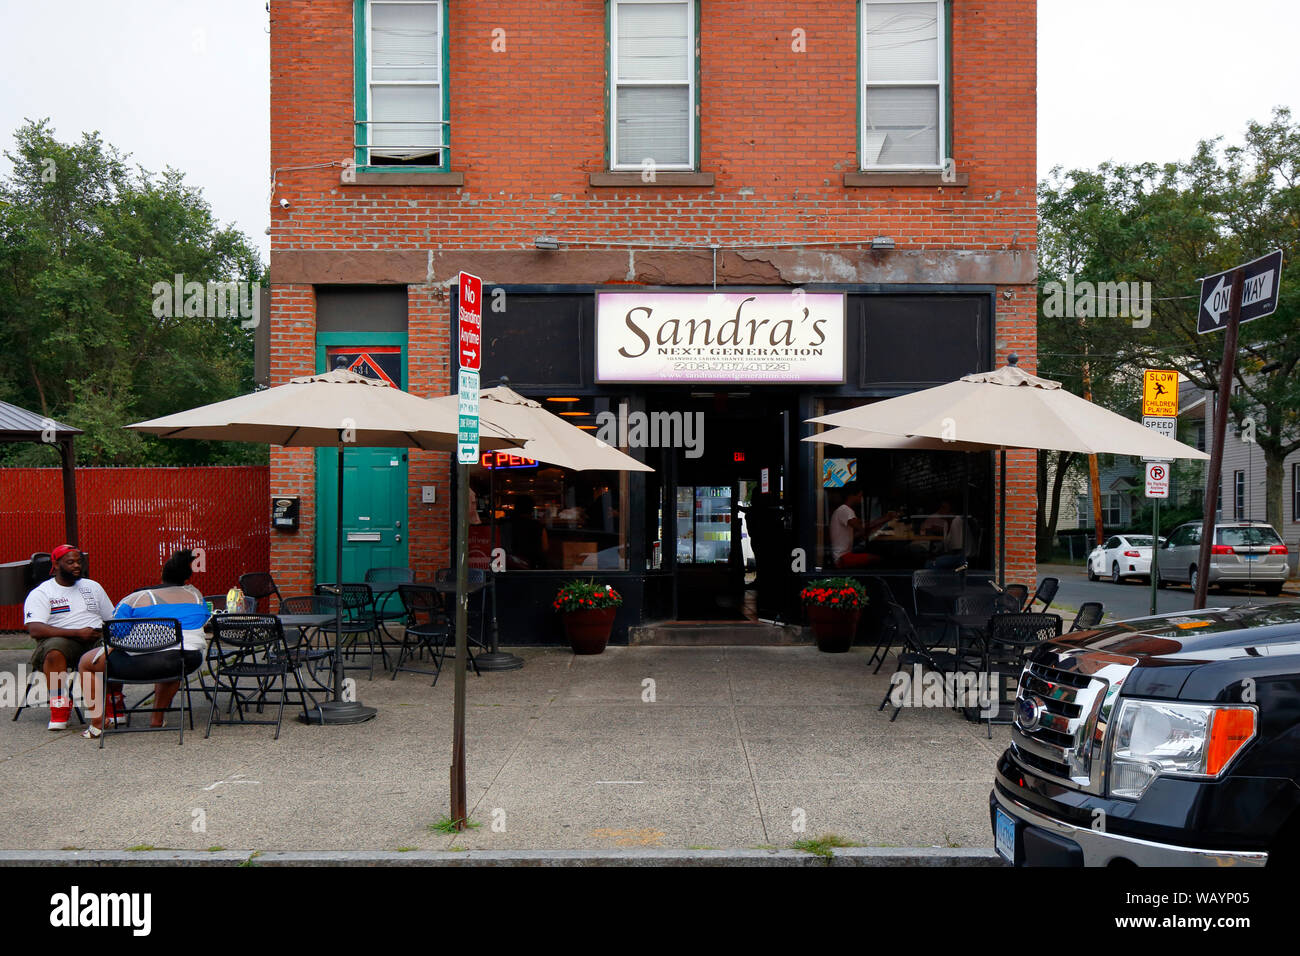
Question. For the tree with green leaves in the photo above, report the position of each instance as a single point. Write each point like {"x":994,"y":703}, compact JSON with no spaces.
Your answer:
{"x":86,"y":245}
{"x":1169,"y":225}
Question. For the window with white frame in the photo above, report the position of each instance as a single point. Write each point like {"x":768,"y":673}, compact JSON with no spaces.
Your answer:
{"x":903,"y":70}
{"x":400,"y":113}
{"x":652,"y":70}
{"x":1295,"y":491}
{"x":1239,"y":495}
{"x":1110,"y":510}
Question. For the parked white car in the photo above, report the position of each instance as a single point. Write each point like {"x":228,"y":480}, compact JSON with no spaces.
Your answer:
{"x":1122,"y":556}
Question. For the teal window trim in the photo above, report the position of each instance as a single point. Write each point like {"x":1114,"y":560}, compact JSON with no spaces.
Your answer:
{"x":945,"y":106}
{"x":361,"y":97}
{"x":610,"y":69}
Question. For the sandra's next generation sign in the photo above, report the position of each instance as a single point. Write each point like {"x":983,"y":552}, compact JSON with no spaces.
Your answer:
{"x":746,"y":337}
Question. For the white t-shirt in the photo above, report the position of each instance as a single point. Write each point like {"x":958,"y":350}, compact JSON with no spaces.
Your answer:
{"x":841,"y":533}
{"x":84,"y":604}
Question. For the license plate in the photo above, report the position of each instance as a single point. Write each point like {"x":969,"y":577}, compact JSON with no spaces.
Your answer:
{"x":1004,"y":831}
{"x":1252,"y":557}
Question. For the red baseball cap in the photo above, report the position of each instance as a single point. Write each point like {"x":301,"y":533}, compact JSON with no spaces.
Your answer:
{"x":58,"y":553}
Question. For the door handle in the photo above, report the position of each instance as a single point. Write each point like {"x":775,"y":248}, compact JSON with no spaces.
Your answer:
{"x":397,"y":538}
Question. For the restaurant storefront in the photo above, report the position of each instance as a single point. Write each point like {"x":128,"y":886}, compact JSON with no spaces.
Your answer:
{"x":711,"y":388}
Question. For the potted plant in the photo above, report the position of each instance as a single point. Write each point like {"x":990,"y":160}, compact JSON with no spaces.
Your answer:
{"x":833,"y":607}
{"x":588,"y":610}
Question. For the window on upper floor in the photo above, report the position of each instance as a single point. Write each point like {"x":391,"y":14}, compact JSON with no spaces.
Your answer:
{"x":401,"y":84}
{"x":652,"y":84}
{"x":903,"y":70}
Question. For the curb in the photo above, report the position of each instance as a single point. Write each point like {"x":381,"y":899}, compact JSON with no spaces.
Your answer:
{"x":850,"y":856}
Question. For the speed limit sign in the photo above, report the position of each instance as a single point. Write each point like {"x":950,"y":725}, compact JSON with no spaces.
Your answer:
{"x":1158,"y":479}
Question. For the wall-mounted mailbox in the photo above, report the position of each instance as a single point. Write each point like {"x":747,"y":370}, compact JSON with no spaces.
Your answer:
{"x":284,"y":513}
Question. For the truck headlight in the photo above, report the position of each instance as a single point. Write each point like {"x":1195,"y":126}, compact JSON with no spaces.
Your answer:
{"x":1155,"y":737}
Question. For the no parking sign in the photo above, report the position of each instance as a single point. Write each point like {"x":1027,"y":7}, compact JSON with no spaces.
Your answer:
{"x":1158,"y":479}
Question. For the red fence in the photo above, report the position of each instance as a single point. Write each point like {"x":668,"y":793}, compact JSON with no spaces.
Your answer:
{"x":131,"y":519}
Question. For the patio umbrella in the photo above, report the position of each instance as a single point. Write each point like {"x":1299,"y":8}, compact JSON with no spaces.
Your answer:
{"x":338,"y":408}
{"x":552,"y":440}
{"x":1010,"y":408}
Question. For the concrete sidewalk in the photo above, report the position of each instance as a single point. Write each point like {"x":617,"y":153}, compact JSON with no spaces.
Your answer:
{"x":741,"y":747}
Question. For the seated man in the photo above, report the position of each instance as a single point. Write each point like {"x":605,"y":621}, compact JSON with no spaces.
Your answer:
{"x":64,"y":614}
{"x":176,"y":598}
{"x":846,"y":527}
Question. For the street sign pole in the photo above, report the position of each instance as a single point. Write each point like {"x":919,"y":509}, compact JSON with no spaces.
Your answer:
{"x":1226,"y":369}
{"x":1155,"y":552}
{"x":470,"y":324}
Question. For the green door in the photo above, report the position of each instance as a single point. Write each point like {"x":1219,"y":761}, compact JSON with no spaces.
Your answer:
{"x":374,"y":510}
{"x":375,"y":530}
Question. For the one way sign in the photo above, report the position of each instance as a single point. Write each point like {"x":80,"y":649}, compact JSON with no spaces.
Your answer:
{"x":1258,"y":293}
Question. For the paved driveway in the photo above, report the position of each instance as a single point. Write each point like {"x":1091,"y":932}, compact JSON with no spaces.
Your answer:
{"x":736,"y":747}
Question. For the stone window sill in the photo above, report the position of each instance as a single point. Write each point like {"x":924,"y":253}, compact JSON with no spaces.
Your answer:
{"x":359,"y":177}
{"x":633,"y":179}
{"x":926,"y":178}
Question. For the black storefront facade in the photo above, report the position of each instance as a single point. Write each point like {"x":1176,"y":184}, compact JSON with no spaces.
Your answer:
{"x":672,"y":541}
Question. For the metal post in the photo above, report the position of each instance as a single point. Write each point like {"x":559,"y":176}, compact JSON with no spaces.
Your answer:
{"x":1002,"y":523}
{"x":1155,"y":552}
{"x":69,"y":491}
{"x":459,"y":811}
{"x":1220,"y":428}
{"x":495,"y":659}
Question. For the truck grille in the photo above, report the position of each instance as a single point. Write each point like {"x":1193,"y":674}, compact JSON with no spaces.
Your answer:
{"x":1071,"y":693}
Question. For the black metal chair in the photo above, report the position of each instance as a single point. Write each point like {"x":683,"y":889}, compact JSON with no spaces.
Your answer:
{"x":1012,"y":637}
{"x":1046,"y":593}
{"x":918,"y":654}
{"x":359,"y":621}
{"x":428,"y":627}
{"x":146,"y":635}
{"x":477,"y":616}
{"x":258,"y":585}
{"x":304,"y":650}
{"x":34,"y":679}
{"x":876,"y":617}
{"x":252,"y":647}
{"x":385,"y":614}
{"x":933,"y":593}
{"x":1020,"y":592}
{"x":1089,"y":616}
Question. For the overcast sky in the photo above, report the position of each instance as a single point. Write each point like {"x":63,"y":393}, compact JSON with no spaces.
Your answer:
{"x":184,"y":82}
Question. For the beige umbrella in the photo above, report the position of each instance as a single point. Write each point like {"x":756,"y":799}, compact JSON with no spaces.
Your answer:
{"x":333,"y":408}
{"x":341,"y":409}
{"x":1008,"y":408}
{"x":551,"y":438}
{"x":879,"y":441}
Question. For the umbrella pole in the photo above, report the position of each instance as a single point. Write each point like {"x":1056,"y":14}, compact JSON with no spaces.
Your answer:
{"x":1002,"y":522}
{"x":338,"y":710}
{"x":494,"y":660}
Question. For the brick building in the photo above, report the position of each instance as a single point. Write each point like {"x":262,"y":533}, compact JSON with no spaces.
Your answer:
{"x":871,"y":162}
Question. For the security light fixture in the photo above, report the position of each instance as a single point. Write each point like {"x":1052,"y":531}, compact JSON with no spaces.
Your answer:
{"x":882,"y":242}
{"x":548,"y":243}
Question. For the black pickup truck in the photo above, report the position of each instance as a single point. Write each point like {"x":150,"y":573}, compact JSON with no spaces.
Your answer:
{"x":1162,"y":741}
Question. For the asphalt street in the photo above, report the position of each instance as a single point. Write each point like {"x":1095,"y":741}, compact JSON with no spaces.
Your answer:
{"x":1132,"y":598}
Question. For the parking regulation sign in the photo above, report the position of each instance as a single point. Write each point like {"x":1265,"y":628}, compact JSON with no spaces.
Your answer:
{"x":471,"y":321}
{"x":467,"y":426}
{"x":1158,"y":479}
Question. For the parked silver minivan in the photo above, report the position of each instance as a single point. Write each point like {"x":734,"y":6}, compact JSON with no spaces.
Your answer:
{"x":1242,"y":553}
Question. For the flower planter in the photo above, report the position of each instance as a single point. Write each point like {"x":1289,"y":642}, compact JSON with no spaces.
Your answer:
{"x":588,"y":630}
{"x":833,"y":628}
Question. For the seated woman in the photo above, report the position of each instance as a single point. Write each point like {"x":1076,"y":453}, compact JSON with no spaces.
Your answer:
{"x":175,"y":598}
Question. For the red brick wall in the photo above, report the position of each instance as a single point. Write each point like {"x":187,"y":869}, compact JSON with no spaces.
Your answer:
{"x":778,"y":129}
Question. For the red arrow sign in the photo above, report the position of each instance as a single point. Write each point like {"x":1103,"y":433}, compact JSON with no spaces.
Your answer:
{"x":471,"y":321}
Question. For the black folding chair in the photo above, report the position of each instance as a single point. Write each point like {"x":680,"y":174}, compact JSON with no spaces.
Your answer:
{"x":302,"y":649}
{"x":428,"y":627}
{"x":252,"y":647}
{"x":879,"y":600}
{"x":1089,"y":616}
{"x":147,"y":635}
{"x":933,"y":593}
{"x":1046,"y":593}
{"x":384,"y":614}
{"x":258,"y":585}
{"x":34,"y":679}
{"x":1020,"y":592}
{"x":477,"y":617}
{"x":1012,"y":638}
{"x":916,"y":653}
{"x":358,"y":621}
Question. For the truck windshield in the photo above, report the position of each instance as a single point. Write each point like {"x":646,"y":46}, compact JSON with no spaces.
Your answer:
{"x":1247,"y":537}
